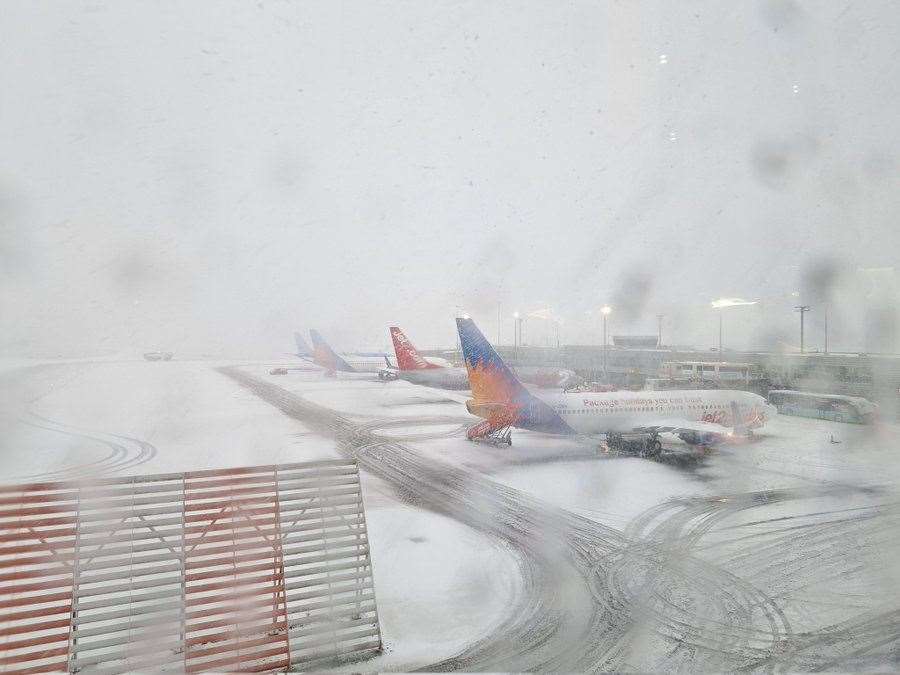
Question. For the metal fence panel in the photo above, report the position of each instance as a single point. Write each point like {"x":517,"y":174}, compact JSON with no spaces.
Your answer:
{"x":252,"y":568}
{"x":38,"y":525}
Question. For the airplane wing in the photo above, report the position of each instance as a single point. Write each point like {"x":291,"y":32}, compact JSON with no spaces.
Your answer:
{"x":677,"y":426}
{"x":302,"y":357}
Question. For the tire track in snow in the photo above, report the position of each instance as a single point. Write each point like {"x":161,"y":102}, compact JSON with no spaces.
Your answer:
{"x":565,"y":558}
{"x":125,"y":452}
{"x":805,"y":550}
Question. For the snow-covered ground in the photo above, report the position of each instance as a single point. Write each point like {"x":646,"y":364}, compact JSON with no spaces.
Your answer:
{"x":806,"y":509}
{"x":439,"y":584}
{"x":58,"y":417}
{"x":804,"y":497}
{"x":366,"y":396}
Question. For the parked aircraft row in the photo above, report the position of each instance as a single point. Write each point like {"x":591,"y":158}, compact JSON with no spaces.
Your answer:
{"x":502,"y":400}
{"x":412,"y":366}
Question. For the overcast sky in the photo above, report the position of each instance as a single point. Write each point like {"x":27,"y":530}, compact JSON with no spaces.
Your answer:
{"x":210,"y":176}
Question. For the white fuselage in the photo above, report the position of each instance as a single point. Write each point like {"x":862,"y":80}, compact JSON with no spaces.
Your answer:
{"x":457,"y":378}
{"x":442,"y":378}
{"x":625,"y":411}
{"x":364,"y":364}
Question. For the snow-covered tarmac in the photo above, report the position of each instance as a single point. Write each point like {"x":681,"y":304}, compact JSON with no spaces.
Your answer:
{"x":777,"y":553}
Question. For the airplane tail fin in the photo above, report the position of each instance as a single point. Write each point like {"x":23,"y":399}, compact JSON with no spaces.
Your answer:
{"x":408,"y":358}
{"x":490,"y":378}
{"x":302,"y":348}
{"x":496,"y":392}
{"x":325,"y":357}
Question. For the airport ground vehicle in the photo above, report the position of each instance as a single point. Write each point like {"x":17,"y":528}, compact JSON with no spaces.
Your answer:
{"x":158,"y":356}
{"x":833,"y":407}
{"x":723,"y":372}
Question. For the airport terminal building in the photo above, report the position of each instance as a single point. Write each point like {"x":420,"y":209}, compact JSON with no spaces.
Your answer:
{"x":872,"y":376}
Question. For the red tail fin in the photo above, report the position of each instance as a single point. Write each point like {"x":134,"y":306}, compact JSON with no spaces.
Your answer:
{"x":407,"y":356}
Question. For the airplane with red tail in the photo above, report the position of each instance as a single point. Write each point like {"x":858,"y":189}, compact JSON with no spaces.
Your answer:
{"x":415,"y":368}
{"x":418,"y":369}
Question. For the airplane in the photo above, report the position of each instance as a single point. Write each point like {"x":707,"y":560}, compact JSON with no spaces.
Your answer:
{"x":698,"y":417}
{"x":303,"y":350}
{"x":418,"y":369}
{"x":325,"y":357}
{"x":415,"y":368}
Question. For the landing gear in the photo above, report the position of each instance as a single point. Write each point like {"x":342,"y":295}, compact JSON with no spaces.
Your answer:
{"x":644,"y":446}
{"x":698,"y":440}
{"x":653,"y":445}
{"x":486,"y":432}
{"x":650,"y":446}
{"x":498,"y":438}
{"x":613,"y":443}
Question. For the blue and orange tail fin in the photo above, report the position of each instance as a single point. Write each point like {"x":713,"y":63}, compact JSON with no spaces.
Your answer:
{"x":490,"y":379}
{"x":408,"y":357}
{"x":496,"y":392}
{"x":325,"y":357}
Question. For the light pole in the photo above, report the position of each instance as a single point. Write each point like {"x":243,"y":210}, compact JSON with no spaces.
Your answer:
{"x":604,"y":311}
{"x":720,"y":304}
{"x":803,"y":309}
{"x":516,"y":331}
{"x":720,"y":335}
{"x":659,"y":318}
{"x":826,"y":330}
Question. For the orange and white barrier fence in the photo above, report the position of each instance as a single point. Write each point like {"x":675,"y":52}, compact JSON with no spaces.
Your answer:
{"x":254,"y":568}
